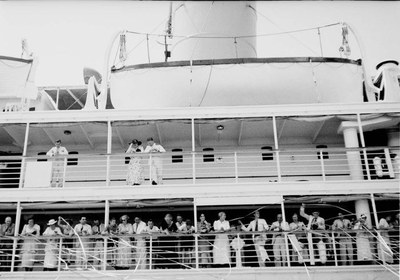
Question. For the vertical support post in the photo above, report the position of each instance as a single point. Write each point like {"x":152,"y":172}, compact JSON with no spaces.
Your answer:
{"x":321,"y":158}
{"x":374,"y":210}
{"x":360,"y":131}
{"x":334,"y":249}
{"x":236,"y":167}
{"x":193,"y":152}
{"x":196,"y":237}
{"x":59,"y":255}
{"x":106,"y":223}
{"x":24,"y":151}
{"x":64,"y":171}
{"x":276,"y":146}
{"x":15,"y":240}
{"x":57,"y":97}
{"x":239,"y":254}
{"x":151,"y":253}
{"x":285,"y":234}
{"x":109,"y":150}
{"x":193,"y":136}
{"x":150,"y":168}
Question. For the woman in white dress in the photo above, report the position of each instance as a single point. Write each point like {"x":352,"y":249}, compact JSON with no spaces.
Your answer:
{"x":364,"y":252}
{"x":51,"y":249}
{"x":384,"y":251}
{"x":31,"y":231}
{"x":124,"y":259}
{"x":135,"y":169}
{"x":221,"y":251}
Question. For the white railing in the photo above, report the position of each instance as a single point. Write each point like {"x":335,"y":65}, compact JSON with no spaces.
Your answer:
{"x":201,"y":167}
{"x":230,"y":249}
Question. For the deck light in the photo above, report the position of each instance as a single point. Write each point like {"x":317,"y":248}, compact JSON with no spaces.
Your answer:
{"x":220,"y":127}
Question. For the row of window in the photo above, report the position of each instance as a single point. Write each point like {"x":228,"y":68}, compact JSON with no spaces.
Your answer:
{"x":266,"y":155}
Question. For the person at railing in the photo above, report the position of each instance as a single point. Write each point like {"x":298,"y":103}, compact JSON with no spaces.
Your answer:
{"x":259,"y":225}
{"x":58,"y":163}
{"x":187,"y":243}
{"x":315,"y":223}
{"x":221,"y":250}
{"x":204,"y":227}
{"x":68,"y":242}
{"x":152,"y":243}
{"x":168,"y":258}
{"x":98,"y":242}
{"x":155,"y":161}
{"x":343,"y":238}
{"x":111,"y":230}
{"x":180,"y":224}
{"x":278,"y":241}
{"x":385,"y":253}
{"x":139,"y":243}
{"x":364,"y":252}
{"x":124,"y":250}
{"x":396,"y":238}
{"x":237,"y":245}
{"x":135,"y":169}
{"x":6,"y":243}
{"x":297,"y":227}
{"x":31,"y":231}
{"x":51,"y":249}
{"x":83,"y":230}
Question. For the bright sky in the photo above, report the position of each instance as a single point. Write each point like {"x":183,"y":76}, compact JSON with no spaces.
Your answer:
{"x":68,"y":35}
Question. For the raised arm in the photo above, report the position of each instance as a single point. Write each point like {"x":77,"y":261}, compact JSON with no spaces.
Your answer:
{"x":303,"y":213}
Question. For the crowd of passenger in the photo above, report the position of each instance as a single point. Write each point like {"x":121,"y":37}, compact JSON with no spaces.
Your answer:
{"x":222,"y":243}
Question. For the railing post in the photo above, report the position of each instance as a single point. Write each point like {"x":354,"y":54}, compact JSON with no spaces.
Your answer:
{"x":389,"y":163}
{"x":22,"y":173}
{"x":196,"y":250}
{"x":14,"y":251}
{"x":151,"y":253}
{"x":236,"y":168}
{"x":366,"y":164}
{"x":287,"y":249}
{"x":59,"y":255}
{"x":64,"y":171}
{"x":108,"y":168}
{"x":194,"y":167}
{"x":150,"y":169}
{"x":278,"y":166}
{"x":311,"y":248}
{"x":334,"y":248}
{"x":105,"y":248}
{"x":15,"y":238}
{"x":321,"y":159}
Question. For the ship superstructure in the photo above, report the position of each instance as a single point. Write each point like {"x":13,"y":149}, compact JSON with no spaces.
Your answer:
{"x":241,"y":133}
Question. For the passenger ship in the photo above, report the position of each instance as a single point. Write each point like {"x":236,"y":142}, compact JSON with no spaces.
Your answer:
{"x":242,"y":133}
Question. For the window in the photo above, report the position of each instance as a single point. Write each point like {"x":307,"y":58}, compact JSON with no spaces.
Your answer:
{"x":72,"y":161}
{"x":42,"y":154}
{"x":177,"y":158}
{"x":267,"y":155}
{"x":208,"y":157}
{"x":325,"y":155}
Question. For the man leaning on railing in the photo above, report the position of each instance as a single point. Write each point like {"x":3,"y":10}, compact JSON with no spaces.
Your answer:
{"x":6,"y":243}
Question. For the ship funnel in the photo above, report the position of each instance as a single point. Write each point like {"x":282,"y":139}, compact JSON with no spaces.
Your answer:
{"x":213,"y":30}
{"x":387,"y":81}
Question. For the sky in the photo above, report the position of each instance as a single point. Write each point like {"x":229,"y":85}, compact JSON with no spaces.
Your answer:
{"x":66,"y":36}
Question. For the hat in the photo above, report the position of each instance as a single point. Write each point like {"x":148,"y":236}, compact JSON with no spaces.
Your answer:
{"x":51,"y":222}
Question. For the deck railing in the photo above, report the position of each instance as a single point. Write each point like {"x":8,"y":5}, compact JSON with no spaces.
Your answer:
{"x":202,"y":167}
{"x":229,"y":249}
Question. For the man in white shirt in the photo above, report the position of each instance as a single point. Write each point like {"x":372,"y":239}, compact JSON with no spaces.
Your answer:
{"x":279,"y":245}
{"x":315,"y":222}
{"x":155,"y":160}
{"x":140,"y":243}
{"x":259,"y":240}
{"x":83,"y":230}
{"x":151,"y":229}
{"x":58,"y":163}
{"x":343,"y":238}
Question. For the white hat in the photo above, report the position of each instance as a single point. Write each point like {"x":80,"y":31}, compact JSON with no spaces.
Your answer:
{"x":51,"y":222}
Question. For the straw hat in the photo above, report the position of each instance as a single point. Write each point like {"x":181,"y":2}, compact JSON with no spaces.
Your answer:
{"x":51,"y":222}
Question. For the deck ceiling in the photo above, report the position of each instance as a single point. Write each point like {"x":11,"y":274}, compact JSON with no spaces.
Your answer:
{"x":92,"y":136}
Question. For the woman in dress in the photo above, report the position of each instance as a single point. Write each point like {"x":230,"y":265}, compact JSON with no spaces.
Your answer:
{"x":135,"y":169}
{"x":51,"y":249}
{"x":364,"y":252}
{"x":221,"y":251}
{"x":203,"y":227}
{"x":384,"y":249}
{"x":31,"y":231}
{"x":125,"y":229}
